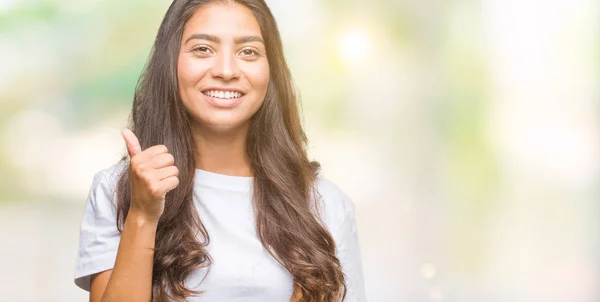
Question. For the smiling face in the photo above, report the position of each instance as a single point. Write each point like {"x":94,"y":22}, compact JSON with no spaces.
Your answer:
{"x":222,"y":70}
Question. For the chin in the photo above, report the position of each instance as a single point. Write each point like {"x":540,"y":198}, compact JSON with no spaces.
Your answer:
{"x":224,"y":125}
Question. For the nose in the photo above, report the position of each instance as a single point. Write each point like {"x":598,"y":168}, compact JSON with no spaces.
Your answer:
{"x":225,"y":67}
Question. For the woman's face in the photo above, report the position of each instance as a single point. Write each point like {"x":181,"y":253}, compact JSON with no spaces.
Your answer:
{"x":222,"y":71}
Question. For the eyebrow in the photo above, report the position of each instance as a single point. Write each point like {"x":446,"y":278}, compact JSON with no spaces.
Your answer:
{"x":236,"y":40}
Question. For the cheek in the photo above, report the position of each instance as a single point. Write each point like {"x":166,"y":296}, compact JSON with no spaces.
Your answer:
{"x":189,"y":71}
{"x":258,"y":76}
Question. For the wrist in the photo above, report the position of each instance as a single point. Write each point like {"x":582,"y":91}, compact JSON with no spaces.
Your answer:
{"x":139,"y":219}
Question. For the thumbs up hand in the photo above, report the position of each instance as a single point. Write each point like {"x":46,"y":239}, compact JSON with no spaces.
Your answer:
{"x":152,"y":174}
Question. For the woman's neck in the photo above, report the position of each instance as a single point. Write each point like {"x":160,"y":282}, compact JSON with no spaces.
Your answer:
{"x":222,"y":151}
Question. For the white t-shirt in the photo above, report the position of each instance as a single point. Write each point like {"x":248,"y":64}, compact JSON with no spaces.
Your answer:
{"x":242,"y":270}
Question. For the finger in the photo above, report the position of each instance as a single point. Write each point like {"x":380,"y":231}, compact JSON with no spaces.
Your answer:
{"x":167,"y":172}
{"x":170,"y":183}
{"x":155,"y":150}
{"x":149,"y":153}
{"x":161,"y":161}
{"x":145,"y":158}
{"x":133,"y":144}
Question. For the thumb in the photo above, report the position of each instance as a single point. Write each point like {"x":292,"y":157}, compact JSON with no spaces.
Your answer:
{"x":133,"y":145}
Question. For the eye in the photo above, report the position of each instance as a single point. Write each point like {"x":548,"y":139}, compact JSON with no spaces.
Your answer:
{"x":249,"y":52}
{"x":201,"y":49}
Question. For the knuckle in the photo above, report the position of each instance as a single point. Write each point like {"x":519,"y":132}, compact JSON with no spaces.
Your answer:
{"x":137,"y":170}
{"x":154,"y":190}
{"x":157,"y":149}
{"x":145,"y":178}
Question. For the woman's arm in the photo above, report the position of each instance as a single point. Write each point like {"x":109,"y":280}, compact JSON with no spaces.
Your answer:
{"x":98,"y":285}
{"x":131,"y":277}
{"x":152,"y":174}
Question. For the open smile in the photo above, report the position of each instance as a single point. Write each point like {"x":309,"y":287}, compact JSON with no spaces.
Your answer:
{"x":223,"y":98}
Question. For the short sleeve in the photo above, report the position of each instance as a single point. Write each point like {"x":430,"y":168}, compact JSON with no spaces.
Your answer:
{"x":98,"y":236}
{"x":338,"y":214}
{"x":348,"y":252}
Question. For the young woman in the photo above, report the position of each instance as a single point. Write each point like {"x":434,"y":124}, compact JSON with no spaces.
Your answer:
{"x":216,"y":199}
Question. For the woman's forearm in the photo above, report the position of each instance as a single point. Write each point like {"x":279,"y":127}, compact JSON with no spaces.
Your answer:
{"x":131,"y":278}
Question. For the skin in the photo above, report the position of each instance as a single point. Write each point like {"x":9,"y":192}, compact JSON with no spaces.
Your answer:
{"x":219,"y":134}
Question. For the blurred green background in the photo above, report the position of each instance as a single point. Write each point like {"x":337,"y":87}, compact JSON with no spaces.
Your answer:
{"x":466,"y":132}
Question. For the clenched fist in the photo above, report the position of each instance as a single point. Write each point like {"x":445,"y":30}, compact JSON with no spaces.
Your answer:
{"x":152,"y":174}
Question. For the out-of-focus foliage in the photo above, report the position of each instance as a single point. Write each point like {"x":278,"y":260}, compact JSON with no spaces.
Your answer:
{"x":466,"y":133}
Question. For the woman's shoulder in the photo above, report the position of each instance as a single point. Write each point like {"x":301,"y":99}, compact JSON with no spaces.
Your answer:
{"x":108,"y":177}
{"x":112,"y":172}
{"x":335,"y":204}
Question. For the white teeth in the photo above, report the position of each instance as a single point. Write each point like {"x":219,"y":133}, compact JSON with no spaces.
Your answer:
{"x":223,"y":94}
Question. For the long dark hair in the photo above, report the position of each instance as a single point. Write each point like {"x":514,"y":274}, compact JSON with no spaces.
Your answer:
{"x":286,"y":212}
